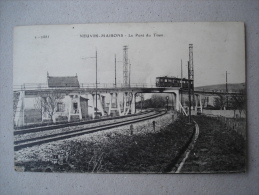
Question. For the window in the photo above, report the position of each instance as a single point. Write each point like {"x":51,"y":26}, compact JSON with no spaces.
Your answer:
{"x":75,"y":105}
{"x":165,"y":80}
{"x":75,"y":108}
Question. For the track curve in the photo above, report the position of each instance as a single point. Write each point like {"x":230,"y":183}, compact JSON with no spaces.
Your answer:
{"x":65,"y":135}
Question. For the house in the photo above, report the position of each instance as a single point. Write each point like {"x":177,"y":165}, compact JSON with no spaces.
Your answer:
{"x":59,"y":82}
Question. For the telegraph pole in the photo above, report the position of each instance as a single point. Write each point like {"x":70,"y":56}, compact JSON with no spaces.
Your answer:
{"x":167,"y":98}
{"x":189,"y":87}
{"x":96,"y":86}
{"x":181,"y":95}
{"x":125,"y":67}
{"x":95,"y":81}
{"x":191,"y":69}
{"x":181,"y":73}
{"x":115,"y":84}
{"x":227,"y":87}
{"x":129,"y":72}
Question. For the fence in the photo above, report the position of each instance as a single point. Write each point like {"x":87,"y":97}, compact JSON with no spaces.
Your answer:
{"x":236,"y":124}
{"x":225,"y":113}
{"x":39,"y":86}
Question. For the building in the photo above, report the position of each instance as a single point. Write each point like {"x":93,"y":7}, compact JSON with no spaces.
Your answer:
{"x":54,"y":106}
{"x":57,"y":82}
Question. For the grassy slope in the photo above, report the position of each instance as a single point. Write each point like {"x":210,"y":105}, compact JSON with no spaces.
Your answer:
{"x":217,"y":149}
{"x":144,"y":151}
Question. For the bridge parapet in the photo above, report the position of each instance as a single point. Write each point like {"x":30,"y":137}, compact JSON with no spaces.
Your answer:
{"x":41,"y":88}
{"x":38,"y":86}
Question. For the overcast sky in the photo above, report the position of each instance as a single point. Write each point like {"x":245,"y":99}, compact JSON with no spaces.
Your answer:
{"x":217,"y":48}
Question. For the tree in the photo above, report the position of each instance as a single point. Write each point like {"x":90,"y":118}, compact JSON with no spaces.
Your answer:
{"x":219,"y":102}
{"x":233,"y":105}
{"x":48,"y":103}
{"x":38,"y":105}
{"x":157,"y":101}
{"x":238,"y":102}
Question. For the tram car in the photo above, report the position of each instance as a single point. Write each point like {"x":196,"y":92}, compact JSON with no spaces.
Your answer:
{"x":173,"y":82}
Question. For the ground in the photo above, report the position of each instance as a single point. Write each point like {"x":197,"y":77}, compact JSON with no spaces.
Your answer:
{"x":142,"y":149}
{"x":117,"y":150}
{"x":218,"y":148}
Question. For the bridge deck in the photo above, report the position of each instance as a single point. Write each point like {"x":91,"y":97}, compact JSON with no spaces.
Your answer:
{"x":37,"y":89}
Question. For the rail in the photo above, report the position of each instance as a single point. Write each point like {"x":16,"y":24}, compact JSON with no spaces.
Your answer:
{"x":65,"y":135}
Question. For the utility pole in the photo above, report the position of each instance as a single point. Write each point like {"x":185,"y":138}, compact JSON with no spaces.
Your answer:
{"x":95,"y":81}
{"x":227,"y":87}
{"x":191,"y":70}
{"x":142,"y":98}
{"x":226,"y":81}
{"x":115,"y":84}
{"x":96,"y":85}
{"x":125,"y":66}
{"x":167,"y":98}
{"x":129,"y":72}
{"x":181,"y":95}
{"x":181,"y":73}
{"x":189,"y":87}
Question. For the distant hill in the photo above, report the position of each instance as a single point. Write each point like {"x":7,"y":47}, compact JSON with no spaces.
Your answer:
{"x":222,"y":87}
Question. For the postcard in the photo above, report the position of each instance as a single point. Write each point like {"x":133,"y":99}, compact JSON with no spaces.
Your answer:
{"x":130,"y":98}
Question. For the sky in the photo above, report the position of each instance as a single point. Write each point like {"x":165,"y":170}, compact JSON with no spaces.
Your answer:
{"x":66,"y":50}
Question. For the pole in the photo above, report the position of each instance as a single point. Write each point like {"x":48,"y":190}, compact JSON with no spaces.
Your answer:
{"x":141,"y":102}
{"x":227,"y":88}
{"x":181,"y":96}
{"x":96,"y":85}
{"x":129,"y":72}
{"x":115,"y":73}
{"x":181,"y":74}
{"x":226,"y":81}
{"x":189,"y":86}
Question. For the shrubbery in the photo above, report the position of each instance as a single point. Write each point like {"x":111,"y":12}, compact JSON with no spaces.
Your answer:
{"x":143,"y":150}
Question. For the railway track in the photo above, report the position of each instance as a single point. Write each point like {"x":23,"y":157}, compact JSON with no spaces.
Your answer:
{"x":71,"y":124}
{"x":65,"y":135}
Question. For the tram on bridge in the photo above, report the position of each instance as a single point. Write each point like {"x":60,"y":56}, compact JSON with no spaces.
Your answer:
{"x":173,"y":82}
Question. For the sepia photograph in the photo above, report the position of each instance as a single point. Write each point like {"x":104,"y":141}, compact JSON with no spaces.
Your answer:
{"x":130,"y":98}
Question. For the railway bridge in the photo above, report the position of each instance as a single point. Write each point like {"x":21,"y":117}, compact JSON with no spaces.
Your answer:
{"x":90,"y":100}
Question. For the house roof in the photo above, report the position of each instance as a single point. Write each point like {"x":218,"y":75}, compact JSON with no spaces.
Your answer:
{"x":63,"y":81}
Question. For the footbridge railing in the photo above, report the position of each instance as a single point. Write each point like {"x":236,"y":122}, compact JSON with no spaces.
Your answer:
{"x":39,"y":86}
